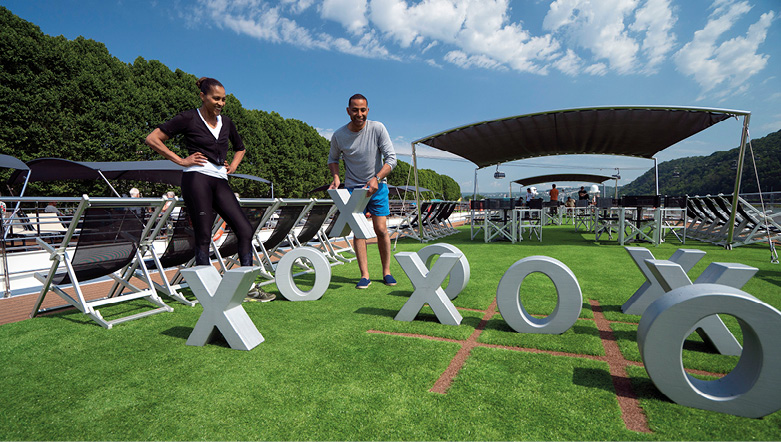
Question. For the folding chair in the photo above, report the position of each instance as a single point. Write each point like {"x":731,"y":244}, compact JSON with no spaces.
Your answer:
{"x":337,"y":247}
{"x":530,"y":219}
{"x":760,"y":227}
{"x":316,"y":220}
{"x":499,"y":220}
{"x":406,"y":228}
{"x":291,"y":212}
{"x":107,"y":243}
{"x":639,"y":227}
{"x":179,"y":253}
{"x":607,"y":220}
{"x":673,"y":218}
{"x":476,"y":218}
{"x":583,"y":216}
{"x":258,"y":211}
{"x":708,"y":226}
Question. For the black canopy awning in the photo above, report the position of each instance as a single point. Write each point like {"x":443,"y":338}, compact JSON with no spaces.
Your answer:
{"x":637,"y":131}
{"x":9,"y":162}
{"x":559,"y":177}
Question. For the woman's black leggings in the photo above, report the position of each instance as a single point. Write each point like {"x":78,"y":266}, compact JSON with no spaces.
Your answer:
{"x":204,"y":195}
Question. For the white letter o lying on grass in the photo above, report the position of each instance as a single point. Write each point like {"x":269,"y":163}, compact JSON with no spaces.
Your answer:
{"x":569,"y":297}
{"x":284,"y":275}
{"x":752,"y":388}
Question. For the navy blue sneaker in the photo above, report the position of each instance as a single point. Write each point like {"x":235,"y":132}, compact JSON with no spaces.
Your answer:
{"x":389,"y":280}
{"x":363,"y":283}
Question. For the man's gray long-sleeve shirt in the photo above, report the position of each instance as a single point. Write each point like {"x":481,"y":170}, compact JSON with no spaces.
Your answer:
{"x":364,"y":152}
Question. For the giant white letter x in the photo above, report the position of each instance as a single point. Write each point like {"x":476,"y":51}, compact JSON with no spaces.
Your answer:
{"x":428,"y":287}
{"x":221,"y":299}
{"x":711,"y":328}
{"x":351,"y":207}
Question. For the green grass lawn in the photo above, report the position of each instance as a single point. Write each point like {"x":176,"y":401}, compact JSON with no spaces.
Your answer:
{"x":320,"y":375}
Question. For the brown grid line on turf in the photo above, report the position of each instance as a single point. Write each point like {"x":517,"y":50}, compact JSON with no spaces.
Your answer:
{"x":631,"y":412}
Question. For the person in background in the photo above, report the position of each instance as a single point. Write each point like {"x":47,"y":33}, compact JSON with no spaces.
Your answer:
{"x":582,"y":194}
{"x":554,"y":200}
{"x":529,"y":195}
{"x":51,"y":207}
{"x":207,"y":136}
{"x":367,"y":151}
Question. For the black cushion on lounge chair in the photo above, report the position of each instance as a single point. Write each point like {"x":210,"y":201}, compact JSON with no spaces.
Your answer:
{"x":181,"y":245}
{"x":314,"y":221}
{"x":230,"y":246}
{"x":107,"y":242}
{"x":288,"y":216}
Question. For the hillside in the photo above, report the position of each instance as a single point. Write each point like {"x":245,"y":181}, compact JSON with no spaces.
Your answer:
{"x":715,"y":173}
{"x":72,"y":99}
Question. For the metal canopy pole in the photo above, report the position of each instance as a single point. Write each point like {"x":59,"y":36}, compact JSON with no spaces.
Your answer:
{"x":417,"y":194}
{"x":656,"y":174}
{"x":739,"y":173}
{"x":6,"y":229}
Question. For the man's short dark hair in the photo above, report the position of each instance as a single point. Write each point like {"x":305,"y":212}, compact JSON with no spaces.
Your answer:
{"x":357,"y":97}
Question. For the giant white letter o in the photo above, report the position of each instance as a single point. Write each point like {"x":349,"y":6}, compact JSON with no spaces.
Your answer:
{"x":284,"y":274}
{"x":752,"y":388}
{"x":459,"y":274}
{"x":569,"y":296}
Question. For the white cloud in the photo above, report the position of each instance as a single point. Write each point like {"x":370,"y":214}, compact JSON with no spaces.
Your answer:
{"x":325,"y":133}
{"x":570,"y":63}
{"x":726,"y":65}
{"x":656,"y":19}
{"x":258,"y":19}
{"x":578,"y":37}
{"x":350,"y":13}
{"x":599,"y":26}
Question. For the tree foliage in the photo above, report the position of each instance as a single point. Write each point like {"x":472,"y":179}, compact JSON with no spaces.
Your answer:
{"x":71,"y":99}
{"x":715,"y":173}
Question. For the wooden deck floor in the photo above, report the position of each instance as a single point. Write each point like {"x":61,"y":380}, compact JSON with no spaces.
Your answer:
{"x":19,"y":308}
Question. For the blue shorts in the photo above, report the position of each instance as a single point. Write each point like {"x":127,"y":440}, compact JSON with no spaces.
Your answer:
{"x":378,"y":203}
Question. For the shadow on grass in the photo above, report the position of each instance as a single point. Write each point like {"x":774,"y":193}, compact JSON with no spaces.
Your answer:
{"x":499,"y":324}
{"x":593,"y":378}
{"x":374,"y":311}
{"x":183,"y":333}
{"x":610,"y":308}
{"x":178,"y":332}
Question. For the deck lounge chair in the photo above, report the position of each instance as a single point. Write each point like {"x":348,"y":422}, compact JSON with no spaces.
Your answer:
{"x":313,"y":232}
{"x":258,"y":211}
{"x":759,"y":227}
{"x":107,"y":243}
{"x":407,"y":226}
{"x":178,"y":254}
{"x":336,"y":248}
{"x":673,"y":218}
{"x":291,"y":212}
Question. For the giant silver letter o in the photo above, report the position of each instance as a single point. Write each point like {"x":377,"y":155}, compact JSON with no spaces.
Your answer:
{"x":284,"y":275}
{"x":459,"y":274}
{"x":569,"y":297}
{"x":752,"y":388}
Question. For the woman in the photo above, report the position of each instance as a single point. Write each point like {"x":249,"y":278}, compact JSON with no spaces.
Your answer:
{"x":205,"y":188}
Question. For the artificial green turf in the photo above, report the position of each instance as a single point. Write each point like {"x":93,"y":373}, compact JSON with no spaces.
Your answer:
{"x":320,"y":376}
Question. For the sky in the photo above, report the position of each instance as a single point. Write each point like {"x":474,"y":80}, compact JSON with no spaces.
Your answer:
{"x":431,"y":65}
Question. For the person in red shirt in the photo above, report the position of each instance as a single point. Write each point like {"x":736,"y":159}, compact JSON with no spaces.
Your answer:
{"x":554,"y":199}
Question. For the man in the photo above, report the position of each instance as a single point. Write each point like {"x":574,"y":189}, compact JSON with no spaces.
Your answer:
{"x":369,"y":158}
{"x":582,"y":194}
{"x":554,"y":199}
